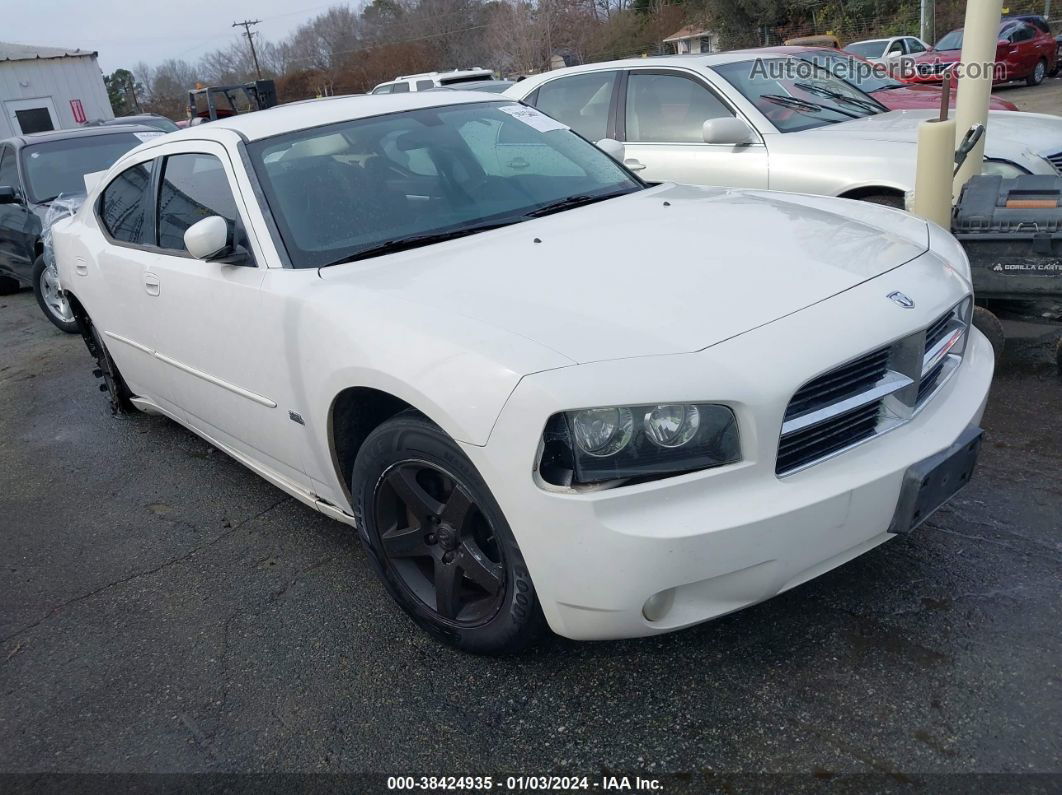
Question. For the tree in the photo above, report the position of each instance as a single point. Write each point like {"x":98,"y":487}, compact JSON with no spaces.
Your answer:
{"x":122,"y":90}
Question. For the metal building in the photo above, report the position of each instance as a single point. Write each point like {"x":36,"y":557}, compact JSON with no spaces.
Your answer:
{"x":49,"y":88}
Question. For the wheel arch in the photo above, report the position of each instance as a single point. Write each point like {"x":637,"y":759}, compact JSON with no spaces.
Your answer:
{"x":353,"y":414}
{"x":871,"y":190}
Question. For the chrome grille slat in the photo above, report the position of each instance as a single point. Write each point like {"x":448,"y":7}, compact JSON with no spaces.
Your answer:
{"x":1056,"y":161}
{"x":870,"y":394}
{"x":827,"y":388}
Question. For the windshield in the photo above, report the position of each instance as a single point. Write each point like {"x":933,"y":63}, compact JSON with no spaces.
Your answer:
{"x":860,"y":74}
{"x":364,"y":186}
{"x":795,"y":94}
{"x":953,"y":41}
{"x":55,"y":167}
{"x":868,"y":49}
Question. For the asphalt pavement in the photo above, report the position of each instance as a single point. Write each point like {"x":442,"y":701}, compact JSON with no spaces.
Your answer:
{"x":164,"y":609}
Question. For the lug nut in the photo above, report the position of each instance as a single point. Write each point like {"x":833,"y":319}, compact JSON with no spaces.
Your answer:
{"x":430,"y":538}
{"x":103,"y":387}
{"x":448,"y":557}
{"x":98,"y":373}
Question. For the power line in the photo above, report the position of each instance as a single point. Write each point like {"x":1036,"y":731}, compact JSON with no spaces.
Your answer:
{"x":246,"y":25}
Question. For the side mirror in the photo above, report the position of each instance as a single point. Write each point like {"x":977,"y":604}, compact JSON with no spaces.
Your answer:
{"x":612,"y":148}
{"x":729,"y":130}
{"x":209,"y":238}
{"x":9,"y":195}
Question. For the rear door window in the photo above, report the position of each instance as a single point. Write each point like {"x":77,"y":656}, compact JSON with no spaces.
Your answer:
{"x":125,"y":206}
{"x":580,"y":101}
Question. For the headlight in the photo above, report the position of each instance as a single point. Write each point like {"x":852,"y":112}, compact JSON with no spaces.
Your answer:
{"x":1002,"y":168}
{"x":651,"y":441}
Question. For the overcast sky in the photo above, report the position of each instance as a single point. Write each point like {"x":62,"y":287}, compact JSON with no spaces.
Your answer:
{"x":125,"y":32}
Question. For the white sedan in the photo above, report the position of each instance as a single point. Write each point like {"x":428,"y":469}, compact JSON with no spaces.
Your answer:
{"x":888,"y":50}
{"x":540,"y":389}
{"x":745,"y":120}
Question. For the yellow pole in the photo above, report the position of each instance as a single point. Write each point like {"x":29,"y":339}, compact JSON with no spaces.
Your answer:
{"x":936,"y":160}
{"x":979,"y":38}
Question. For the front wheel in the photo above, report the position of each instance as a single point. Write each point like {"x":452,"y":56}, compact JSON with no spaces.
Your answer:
{"x":51,"y":299}
{"x":1038,"y":74}
{"x":439,"y":540}
{"x":988,"y":324}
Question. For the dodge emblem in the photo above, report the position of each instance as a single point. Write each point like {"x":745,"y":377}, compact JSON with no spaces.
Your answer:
{"x":900,"y":299}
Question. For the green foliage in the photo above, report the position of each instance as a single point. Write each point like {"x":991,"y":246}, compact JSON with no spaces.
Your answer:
{"x":121,"y":86}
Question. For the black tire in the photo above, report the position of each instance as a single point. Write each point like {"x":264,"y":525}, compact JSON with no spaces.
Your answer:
{"x":434,"y":533}
{"x":112,"y":382}
{"x":988,"y":324}
{"x":50,"y":302}
{"x":884,"y":199}
{"x":8,"y":285}
{"x":1038,"y":74}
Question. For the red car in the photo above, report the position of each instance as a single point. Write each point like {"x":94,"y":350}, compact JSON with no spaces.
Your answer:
{"x":871,"y":79}
{"x":1026,"y":51}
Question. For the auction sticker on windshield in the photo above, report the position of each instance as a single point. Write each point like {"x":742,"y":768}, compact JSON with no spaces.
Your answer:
{"x":533,"y":118}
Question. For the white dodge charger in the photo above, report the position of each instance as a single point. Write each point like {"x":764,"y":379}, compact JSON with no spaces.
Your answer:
{"x":542,"y":391}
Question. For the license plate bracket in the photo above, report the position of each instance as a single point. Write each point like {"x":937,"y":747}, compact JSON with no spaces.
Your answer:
{"x":933,"y":481}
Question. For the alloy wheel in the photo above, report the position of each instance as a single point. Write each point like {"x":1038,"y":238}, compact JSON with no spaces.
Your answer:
{"x":53,"y":296}
{"x":439,"y":543}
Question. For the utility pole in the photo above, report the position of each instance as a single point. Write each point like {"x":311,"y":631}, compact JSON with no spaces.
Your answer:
{"x":927,"y":9}
{"x":246,"y":25}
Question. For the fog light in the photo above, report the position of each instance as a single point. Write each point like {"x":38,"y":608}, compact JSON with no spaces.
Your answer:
{"x":657,"y":605}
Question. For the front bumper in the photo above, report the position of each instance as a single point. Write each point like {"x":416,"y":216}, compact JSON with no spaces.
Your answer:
{"x":718,"y":540}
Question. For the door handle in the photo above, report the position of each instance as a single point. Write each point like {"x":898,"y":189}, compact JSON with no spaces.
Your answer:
{"x":633,"y":164}
{"x":80,"y":267}
{"x":151,"y":284}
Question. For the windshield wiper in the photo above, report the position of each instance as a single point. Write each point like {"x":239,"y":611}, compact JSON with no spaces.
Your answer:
{"x":838,"y":96}
{"x":415,"y":241}
{"x":573,"y":201}
{"x":803,"y":105}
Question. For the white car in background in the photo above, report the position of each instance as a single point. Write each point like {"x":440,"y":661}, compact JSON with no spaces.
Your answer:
{"x":728,"y":120}
{"x":888,"y":50}
{"x":425,"y":81}
{"x":536,"y":386}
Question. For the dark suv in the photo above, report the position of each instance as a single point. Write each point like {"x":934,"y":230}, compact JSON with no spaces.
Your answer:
{"x":35,"y":170}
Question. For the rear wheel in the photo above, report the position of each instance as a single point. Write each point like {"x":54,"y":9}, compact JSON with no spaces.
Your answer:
{"x":106,"y":370}
{"x":440,"y":541}
{"x":1038,"y":74}
{"x":988,"y":324}
{"x":51,"y":299}
{"x":8,"y":285}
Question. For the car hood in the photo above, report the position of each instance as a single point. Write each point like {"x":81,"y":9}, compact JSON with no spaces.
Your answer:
{"x":1008,"y":132}
{"x":670,"y":269}
{"x":914,"y":95}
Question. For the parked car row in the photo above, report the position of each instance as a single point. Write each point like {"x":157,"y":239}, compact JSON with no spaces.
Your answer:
{"x":1027,"y":50}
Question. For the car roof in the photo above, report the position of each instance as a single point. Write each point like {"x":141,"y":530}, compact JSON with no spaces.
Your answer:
{"x":281,"y":119}
{"x":715,"y":59}
{"x":26,"y":139}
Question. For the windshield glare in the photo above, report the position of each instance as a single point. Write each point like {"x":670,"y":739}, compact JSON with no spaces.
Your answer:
{"x":52,"y":168}
{"x":859,"y":73}
{"x":795,"y":94}
{"x":953,"y":41}
{"x":350,"y":187}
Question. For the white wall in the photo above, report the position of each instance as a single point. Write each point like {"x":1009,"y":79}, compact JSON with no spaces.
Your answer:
{"x":61,"y":79}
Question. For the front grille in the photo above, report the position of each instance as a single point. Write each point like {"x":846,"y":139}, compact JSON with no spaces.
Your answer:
{"x":819,"y":441}
{"x":849,"y":379}
{"x":870,"y":394}
{"x":1056,"y":161}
